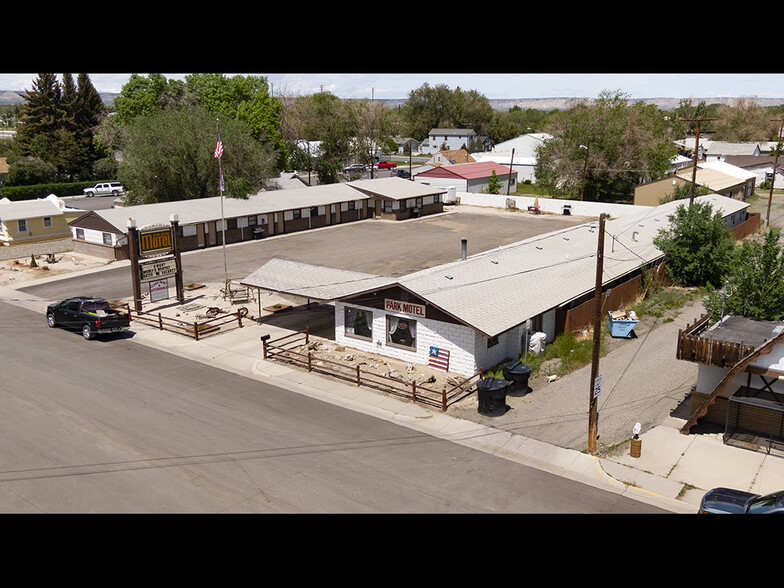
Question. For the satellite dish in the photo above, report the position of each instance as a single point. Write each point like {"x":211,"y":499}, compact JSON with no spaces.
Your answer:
{"x":637,"y":428}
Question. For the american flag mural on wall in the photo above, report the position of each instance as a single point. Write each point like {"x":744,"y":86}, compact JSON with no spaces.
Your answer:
{"x":438,"y":358}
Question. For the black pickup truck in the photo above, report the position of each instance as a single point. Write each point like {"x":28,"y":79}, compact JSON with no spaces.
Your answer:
{"x":93,"y":316}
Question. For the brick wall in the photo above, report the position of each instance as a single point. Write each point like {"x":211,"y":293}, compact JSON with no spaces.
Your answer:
{"x":459,"y":340}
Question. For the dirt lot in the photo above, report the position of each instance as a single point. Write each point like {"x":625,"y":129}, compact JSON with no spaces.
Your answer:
{"x":19,"y":270}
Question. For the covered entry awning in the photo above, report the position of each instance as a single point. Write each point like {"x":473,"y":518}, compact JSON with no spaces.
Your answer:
{"x":313,"y":282}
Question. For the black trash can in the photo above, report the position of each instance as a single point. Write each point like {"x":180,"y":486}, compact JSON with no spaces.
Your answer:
{"x":492,"y":396}
{"x":518,"y":373}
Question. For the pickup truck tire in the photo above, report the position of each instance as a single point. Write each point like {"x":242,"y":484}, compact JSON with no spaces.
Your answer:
{"x":50,"y":320}
{"x":87,"y":332}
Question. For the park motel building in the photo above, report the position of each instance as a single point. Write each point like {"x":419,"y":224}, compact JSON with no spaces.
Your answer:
{"x":476,"y":311}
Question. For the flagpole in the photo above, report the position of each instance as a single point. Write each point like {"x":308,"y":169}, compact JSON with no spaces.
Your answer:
{"x":218,"y":154}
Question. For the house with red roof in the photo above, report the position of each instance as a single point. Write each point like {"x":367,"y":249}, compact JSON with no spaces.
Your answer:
{"x":469,"y":177}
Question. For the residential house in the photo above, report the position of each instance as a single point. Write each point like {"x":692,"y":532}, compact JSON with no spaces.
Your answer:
{"x":740,"y":378}
{"x":519,"y":153}
{"x":406,"y":145}
{"x":761,"y":166}
{"x":29,"y":221}
{"x":719,"y":177}
{"x":450,"y":139}
{"x":451,"y":157}
{"x":719,"y":150}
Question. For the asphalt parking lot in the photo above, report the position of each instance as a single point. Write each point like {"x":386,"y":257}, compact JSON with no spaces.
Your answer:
{"x":382,"y":247}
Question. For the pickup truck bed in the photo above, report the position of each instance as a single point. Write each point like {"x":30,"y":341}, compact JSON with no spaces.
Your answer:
{"x":92,"y":316}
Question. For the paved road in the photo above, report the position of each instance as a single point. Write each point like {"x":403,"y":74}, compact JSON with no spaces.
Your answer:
{"x":111,"y":426}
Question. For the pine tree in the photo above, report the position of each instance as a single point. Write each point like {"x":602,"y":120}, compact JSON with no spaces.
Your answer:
{"x":88,"y":113}
{"x":41,"y":117}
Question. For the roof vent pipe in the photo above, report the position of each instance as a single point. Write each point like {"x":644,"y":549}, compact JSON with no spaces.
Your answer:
{"x":463,"y":248}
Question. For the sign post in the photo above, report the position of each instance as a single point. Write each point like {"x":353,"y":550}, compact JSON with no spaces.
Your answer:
{"x":155,"y":257}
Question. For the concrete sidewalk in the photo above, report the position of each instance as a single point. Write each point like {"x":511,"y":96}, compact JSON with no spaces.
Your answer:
{"x":672,"y":472}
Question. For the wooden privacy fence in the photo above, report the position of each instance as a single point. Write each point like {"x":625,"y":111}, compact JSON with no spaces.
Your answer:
{"x":196,"y":329}
{"x":752,"y":223}
{"x":614,"y":299}
{"x":286,"y":348}
{"x":693,"y":347}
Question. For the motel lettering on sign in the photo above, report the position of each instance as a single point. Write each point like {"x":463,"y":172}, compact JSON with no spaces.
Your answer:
{"x":155,"y":242}
{"x":404,"y":307}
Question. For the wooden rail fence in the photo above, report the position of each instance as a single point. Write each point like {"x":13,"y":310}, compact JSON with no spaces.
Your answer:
{"x":285,"y":348}
{"x":196,"y":329}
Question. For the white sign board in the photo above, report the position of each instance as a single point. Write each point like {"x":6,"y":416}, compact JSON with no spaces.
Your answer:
{"x":597,"y":386}
{"x":155,"y":270}
{"x":159,"y":290}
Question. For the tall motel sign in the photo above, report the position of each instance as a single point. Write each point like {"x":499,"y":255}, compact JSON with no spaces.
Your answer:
{"x":154,"y":251}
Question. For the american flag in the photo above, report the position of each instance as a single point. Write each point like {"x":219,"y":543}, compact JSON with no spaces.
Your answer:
{"x":439,"y":358}
{"x":219,"y":147}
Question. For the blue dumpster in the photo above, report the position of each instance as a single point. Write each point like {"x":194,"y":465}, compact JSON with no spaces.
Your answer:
{"x":621,"y":325}
{"x":492,"y":396}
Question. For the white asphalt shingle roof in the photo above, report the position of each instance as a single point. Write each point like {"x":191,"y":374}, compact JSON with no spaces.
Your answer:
{"x":395,"y":188}
{"x":201,"y":210}
{"x":10,"y":211}
{"x":310,"y":281}
{"x":497,"y":290}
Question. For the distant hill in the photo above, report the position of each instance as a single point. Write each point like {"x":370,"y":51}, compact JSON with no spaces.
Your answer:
{"x":563,"y":103}
{"x":16,"y":97}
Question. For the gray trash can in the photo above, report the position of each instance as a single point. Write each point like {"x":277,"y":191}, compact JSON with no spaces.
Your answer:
{"x":492,"y":396}
{"x":518,"y":373}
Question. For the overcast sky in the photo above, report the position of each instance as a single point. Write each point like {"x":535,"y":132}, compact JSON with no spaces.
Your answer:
{"x":492,"y":85}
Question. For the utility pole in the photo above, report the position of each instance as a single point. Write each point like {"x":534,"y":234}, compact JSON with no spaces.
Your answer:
{"x":585,"y":166}
{"x":773,"y":178}
{"x":597,"y":340}
{"x":698,"y":120}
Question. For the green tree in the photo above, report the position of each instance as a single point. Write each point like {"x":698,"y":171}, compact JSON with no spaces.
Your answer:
{"x":169,"y":155}
{"x":754,"y":281}
{"x":494,"y":184}
{"x":244,"y":98}
{"x":41,"y":116}
{"x":429,"y":107}
{"x":142,"y":96}
{"x":60,"y":121}
{"x":626,"y":142}
{"x":697,"y":245}
{"x":325,"y":118}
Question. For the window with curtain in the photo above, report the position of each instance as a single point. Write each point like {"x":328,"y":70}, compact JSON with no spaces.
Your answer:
{"x":359,"y":323}
{"x":401,"y":331}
